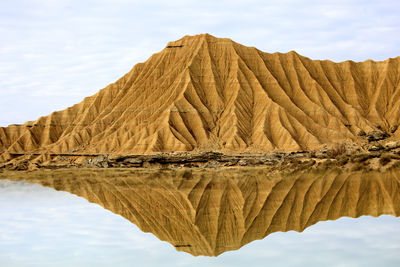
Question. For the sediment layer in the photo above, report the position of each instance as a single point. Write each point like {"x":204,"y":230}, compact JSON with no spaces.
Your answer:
{"x":203,"y":93}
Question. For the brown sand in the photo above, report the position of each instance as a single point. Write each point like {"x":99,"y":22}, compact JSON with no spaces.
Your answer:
{"x":208,"y":212}
{"x":206,"y":93}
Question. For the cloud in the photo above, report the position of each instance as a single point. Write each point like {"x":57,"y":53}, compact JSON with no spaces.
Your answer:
{"x":63,"y":51}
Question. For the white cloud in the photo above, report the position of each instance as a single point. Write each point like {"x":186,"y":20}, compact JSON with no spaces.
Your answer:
{"x":64,"y":48}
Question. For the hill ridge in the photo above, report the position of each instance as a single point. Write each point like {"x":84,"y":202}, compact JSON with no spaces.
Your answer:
{"x":206,"y":93}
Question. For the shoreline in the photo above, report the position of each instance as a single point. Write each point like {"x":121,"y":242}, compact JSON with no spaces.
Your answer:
{"x":377,"y":159}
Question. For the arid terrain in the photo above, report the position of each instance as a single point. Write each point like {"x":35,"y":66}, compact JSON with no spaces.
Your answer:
{"x":203,"y":93}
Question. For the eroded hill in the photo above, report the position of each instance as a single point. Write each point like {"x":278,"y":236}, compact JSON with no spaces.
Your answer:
{"x":206,"y":93}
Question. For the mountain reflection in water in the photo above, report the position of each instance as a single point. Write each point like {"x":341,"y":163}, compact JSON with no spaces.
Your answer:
{"x":208,"y":212}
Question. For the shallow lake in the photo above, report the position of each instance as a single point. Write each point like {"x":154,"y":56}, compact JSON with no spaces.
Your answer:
{"x":40,"y":226}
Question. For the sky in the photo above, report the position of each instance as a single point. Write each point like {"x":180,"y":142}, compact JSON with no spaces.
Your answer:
{"x":55,"y":53}
{"x":43,"y":227}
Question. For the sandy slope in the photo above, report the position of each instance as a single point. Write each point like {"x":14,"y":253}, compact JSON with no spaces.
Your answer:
{"x":208,"y":212}
{"x":207,"y":93}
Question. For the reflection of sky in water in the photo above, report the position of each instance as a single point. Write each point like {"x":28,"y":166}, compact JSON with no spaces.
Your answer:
{"x":42,"y":227}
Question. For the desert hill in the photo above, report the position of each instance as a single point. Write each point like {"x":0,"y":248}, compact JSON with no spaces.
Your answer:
{"x":207,"y":93}
{"x":210,"y":212}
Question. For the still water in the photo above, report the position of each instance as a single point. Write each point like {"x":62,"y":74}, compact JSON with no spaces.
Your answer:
{"x":40,"y":226}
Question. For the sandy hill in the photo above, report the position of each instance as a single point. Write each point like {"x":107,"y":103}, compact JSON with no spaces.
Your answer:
{"x":207,"y":93}
{"x":210,"y":212}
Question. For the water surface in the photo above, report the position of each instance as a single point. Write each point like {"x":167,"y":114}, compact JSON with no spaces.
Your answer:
{"x":43,"y":227}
